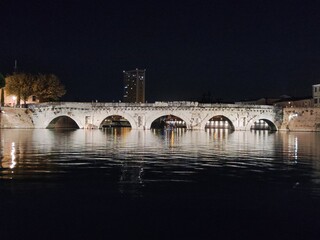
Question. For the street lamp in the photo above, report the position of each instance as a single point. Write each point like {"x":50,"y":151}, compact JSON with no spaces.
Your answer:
{"x":14,"y":98}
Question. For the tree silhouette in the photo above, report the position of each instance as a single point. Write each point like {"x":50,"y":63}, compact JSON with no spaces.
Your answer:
{"x":47,"y":87}
{"x":2,"y":85}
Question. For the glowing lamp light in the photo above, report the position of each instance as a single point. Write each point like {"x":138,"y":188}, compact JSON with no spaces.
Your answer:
{"x":14,"y":98}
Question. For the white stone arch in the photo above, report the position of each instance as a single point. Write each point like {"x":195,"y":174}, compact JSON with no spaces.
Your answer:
{"x":267,"y":118}
{"x":127,"y":116}
{"x":216,"y":114}
{"x":52,"y":118}
{"x":155,"y":115}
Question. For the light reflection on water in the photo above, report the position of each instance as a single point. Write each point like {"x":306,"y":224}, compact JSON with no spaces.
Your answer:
{"x":173,"y":153}
{"x":143,"y":181}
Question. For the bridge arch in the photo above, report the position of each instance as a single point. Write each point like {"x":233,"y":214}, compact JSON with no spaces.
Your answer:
{"x":262,"y":123}
{"x":158,"y":115}
{"x":219,"y":122}
{"x":127,"y":117}
{"x":115,"y":121}
{"x":63,"y":121}
{"x":171,"y":121}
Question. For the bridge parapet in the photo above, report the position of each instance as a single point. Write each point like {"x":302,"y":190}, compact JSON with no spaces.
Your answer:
{"x":156,"y":104}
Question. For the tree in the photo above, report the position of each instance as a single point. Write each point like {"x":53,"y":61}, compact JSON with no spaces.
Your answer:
{"x":19,"y":84}
{"x":26,"y":88}
{"x":2,"y":85}
{"x":47,"y":87}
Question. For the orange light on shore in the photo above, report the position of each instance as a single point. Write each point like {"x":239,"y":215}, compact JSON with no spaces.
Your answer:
{"x":14,"y":98}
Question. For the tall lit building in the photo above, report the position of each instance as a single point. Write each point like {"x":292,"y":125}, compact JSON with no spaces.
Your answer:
{"x":134,"y":86}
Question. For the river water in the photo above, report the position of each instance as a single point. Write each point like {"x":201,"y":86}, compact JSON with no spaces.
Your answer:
{"x":127,"y":184}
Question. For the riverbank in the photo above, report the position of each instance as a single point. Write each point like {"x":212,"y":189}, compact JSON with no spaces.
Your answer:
{"x":16,"y":118}
{"x":301,"y":119}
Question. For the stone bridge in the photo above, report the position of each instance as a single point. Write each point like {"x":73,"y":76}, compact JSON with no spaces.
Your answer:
{"x":141,"y":115}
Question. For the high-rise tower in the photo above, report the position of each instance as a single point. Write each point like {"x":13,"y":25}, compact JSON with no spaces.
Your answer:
{"x":134,"y":85}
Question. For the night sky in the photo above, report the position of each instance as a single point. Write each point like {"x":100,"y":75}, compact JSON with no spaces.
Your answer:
{"x":234,"y":50}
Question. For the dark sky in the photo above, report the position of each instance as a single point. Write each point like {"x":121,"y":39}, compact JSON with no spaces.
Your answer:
{"x":232,"y":49}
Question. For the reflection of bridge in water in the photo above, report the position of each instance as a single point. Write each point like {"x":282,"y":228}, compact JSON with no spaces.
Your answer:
{"x":144,"y":116}
{"x":134,"y":151}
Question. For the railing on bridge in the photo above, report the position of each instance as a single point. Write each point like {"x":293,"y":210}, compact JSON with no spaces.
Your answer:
{"x":155,"y":104}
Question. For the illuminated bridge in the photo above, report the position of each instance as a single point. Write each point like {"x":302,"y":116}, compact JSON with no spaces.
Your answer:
{"x":144,"y":116}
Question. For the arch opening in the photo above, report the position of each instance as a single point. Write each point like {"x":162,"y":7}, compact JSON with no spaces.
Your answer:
{"x":263,"y":124}
{"x":63,"y":122}
{"x":115,"y":121}
{"x":168,"y":122}
{"x":219,"y":122}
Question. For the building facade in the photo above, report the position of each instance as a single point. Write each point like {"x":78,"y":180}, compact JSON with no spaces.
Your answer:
{"x":134,"y":86}
{"x":12,"y":100}
{"x":316,"y":95}
{"x":295,"y":102}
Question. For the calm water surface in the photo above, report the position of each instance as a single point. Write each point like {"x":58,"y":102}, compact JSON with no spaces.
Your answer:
{"x":122,"y":184}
